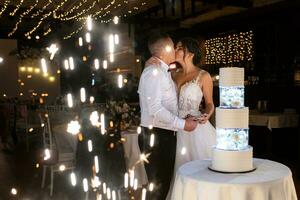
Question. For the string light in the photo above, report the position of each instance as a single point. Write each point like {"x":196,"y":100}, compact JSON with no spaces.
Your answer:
{"x":70,"y":100}
{"x":4,"y":7}
{"x":120,"y":81}
{"x":116,"y":19}
{"x":230,"y":49}
{"x":44,"y":17}
{"x":46,"y":32}
{"x":38,"y":12}
{"x":44,"y":66}
{"x":16,"y":9}
{"x":80,"y":41}
{"x":89,"y":23}
{"x":82,"y":95}
{"x":88,"y":37}
{"x":104,"y":64}
{"x":72,"y":9}
{"x":73,"y":179}
{"x":78,"y":14}
{"x":21,"y":17}
{"x":52,"y":50}
{"x":96,"y":64}
{"x":71,"y":63}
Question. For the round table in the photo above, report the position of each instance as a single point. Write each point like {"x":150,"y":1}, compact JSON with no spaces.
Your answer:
{"x":271,"y":180}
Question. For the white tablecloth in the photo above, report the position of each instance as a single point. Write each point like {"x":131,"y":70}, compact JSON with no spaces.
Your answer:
{"x":132,"y":155}
{"x":273,"y":120}
{"x":270,"y":181}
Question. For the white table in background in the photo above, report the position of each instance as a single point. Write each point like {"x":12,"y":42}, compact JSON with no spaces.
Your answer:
{"x":270,"y":181}
{"x":273,"y":120}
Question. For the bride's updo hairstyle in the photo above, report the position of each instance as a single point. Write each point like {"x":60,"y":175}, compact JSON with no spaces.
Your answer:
{"x":191,"y":45}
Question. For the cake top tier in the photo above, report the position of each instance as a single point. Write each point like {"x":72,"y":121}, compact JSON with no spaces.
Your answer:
{"x":231,"y":76}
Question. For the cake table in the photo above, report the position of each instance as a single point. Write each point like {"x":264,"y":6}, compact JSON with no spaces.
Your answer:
{"x":271,"y":180}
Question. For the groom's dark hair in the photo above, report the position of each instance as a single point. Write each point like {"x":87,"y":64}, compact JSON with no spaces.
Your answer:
{"x":155,"y":37}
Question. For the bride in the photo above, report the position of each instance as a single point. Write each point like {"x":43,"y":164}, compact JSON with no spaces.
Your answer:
{"x":193,"y":86}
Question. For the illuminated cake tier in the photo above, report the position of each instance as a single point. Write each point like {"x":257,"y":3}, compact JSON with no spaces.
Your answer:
{"x":232,"y":152}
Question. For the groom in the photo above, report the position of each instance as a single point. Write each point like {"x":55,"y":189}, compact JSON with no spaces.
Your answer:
{"x":159,"y":109}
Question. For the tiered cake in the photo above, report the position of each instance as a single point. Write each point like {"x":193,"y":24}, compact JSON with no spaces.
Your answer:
{"x":232,"y":152}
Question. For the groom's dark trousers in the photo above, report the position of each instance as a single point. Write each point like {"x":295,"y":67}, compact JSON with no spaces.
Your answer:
{"x":161,"y":160}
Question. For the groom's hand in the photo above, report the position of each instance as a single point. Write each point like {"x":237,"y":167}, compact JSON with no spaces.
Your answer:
{"x":190,"y":124}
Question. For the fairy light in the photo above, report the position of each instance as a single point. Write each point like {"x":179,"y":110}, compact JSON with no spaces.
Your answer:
{"x":135,"y":184}
{"x":85,"y":185}
{"x":92,"y":99}
{"x":70,"y":100}
{"x":14,"y":191}
{"x":111,"y":57}
{"x":46,"y":32}
{"x":113,"y":194}
{"x":62,"y":168}
{"x":96,"y":161}
{"x":80,"y":41}
{"x":82,"y":95}
{"x":117,"y":40}
{"x":94,"y":118}
{"x":45,"y":16}
{"x":71,"y":63}
{"x":168,"y":48}
{"x":144,"y":191}
{"x":6,"y":3}
{"x":73,"y":32}
{"x":73,"y":127}
{"x":70,"y":11}
{"x":52,"y":49}
{"x":102,"y":120}
{"x":116,"y":20}
{"x":66,"y":64}
{"x":104,"y":188}
{"x":90,"y":145}
{"x":104,"y":64}
{"x":78,"y":14}
{"x":44,"y":66}
{"x":89,"y":23}
{"x":183,"y":151}
{"x":230,"y":49}
{"x":96,"y":64}
{"x":16,"y":8}
{"x":21,"y":17}
{"x":47,"y":154}
{"x":108,"y":193}
{"x":152,"y":137}
{"x":111,"y":43}
{"x":151,"y":187}
{"x":120,"y":80}
{"x":126,"y":180}
{"x":88,"y":37}
{"x":38,"y":12}
{"x":73,"y":179}
{"x":96,"y":182}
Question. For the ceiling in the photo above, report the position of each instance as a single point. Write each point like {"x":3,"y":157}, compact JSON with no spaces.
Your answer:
{"x":55,"y":14}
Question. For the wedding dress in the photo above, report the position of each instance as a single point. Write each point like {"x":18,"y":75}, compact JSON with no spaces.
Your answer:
{"x":195,"y":145}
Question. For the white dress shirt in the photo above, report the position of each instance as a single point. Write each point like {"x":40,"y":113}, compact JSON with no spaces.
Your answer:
{"x":158,"y":99}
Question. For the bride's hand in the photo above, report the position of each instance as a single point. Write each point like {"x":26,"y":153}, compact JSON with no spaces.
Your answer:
{"x":152,"y":61}
{"x":203,"y":118}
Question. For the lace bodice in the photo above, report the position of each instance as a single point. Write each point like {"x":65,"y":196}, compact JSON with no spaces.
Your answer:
{"x":190,"y":97}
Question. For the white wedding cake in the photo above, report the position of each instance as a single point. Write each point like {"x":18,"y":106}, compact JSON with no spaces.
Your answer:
{"x":232,"y":152}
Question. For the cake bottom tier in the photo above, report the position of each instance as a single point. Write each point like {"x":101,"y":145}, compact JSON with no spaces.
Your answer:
{"x":232,"y":161}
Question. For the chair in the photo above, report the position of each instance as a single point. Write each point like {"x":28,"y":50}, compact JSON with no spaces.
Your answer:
{"x":57,"y":158}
